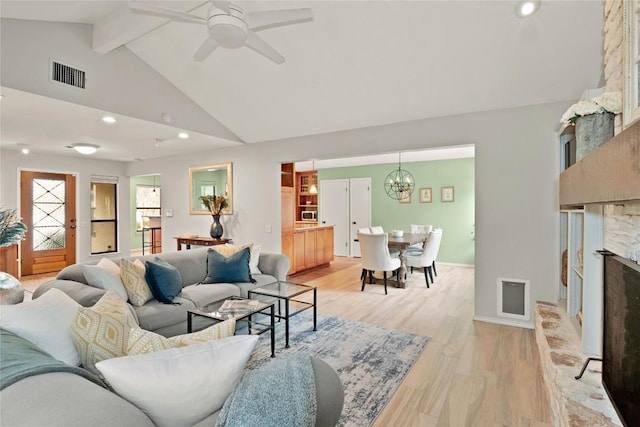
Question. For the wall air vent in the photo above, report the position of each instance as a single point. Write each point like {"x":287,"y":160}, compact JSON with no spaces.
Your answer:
{"x":514,"y":298}
{"x":67,"y":75}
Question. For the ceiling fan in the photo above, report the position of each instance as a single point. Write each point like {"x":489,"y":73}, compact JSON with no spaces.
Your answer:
{"x":231,"y":27}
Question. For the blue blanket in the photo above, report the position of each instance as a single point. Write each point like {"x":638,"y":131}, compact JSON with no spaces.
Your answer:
{"x":20,"y":359}
{"x":280,"y":394}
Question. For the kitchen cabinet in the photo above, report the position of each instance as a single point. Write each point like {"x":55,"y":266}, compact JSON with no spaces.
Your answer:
{"x":312,"y":247}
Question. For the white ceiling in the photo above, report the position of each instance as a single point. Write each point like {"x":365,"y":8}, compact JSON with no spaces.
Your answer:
{"x":358,"y":64}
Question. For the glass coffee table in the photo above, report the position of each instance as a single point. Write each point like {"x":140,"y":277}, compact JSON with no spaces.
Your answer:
{"x":212,"y":311}
{"x":286,"y":292}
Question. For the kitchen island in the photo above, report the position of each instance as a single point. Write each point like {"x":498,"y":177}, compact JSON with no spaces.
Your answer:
{"x":312,"y":246}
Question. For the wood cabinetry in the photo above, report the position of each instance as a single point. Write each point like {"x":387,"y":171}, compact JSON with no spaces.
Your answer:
{"x":313,"y":247}
{"x":306,"y":193}
{"x":288,"y":212}
{"x":9,"y":260}
{"x":324,"y":245}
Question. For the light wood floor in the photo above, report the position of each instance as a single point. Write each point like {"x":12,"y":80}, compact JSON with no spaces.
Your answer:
{"x":470,"y":374}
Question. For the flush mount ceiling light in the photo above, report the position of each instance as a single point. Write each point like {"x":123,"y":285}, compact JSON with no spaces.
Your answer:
{"x":527,"y":8}
{"x":183,"y":135}
{"x":399,"y":184}
{"x":84,"y":148}
{"x":109,"y":119}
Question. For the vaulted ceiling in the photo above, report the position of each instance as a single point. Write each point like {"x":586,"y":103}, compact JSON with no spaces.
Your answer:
{"x":357,"y":64}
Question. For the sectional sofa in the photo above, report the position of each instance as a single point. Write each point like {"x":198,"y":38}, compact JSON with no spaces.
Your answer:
{"x":64,"y":395}
{"x":171,"y":319}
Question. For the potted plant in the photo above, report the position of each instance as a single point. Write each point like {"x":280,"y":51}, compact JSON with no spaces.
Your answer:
{"x":593,"y":120}
{"x":215,"y":205}
{"x":12,"y":230}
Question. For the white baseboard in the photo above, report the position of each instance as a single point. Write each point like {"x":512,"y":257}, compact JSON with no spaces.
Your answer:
{"x":455,"y":264}
{"x":527,"y":325}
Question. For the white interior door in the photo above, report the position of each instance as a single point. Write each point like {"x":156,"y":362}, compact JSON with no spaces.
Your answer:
{"x":360,"y":210}
{"x":334,"y":210}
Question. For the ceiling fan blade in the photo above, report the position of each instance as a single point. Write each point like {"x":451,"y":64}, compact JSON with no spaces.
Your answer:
{"x":167,"y":13}
{"x":222,"y":5}
{"x":255,"y":43}
{"x":205,"y":49}
{"x":276,"y":18}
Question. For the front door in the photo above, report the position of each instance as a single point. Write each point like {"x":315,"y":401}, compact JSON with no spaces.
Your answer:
{"x":48,"y":209}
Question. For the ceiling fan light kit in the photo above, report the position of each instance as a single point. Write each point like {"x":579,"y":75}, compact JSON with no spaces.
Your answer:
{"x":231,"y":27}
{"x":228,"y":30}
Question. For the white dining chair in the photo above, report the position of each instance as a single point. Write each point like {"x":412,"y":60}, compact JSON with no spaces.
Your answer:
{"x":426,"y":259}
{"x":419,"y":229}
{"x":374,"y":251}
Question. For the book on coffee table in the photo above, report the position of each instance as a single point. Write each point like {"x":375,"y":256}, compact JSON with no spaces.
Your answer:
{"x":238,"y":306}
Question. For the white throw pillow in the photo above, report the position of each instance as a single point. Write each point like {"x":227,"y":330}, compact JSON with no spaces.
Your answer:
{"x":46,"y":322}
{"x":105,"y":275}
{"x":180,"y":386}
{"x":255,"y":257}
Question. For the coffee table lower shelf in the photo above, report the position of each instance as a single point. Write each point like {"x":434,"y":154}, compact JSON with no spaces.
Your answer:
{"x":254,"y":327}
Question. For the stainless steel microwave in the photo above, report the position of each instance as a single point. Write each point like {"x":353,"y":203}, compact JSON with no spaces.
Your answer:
{"x":309,"y":216}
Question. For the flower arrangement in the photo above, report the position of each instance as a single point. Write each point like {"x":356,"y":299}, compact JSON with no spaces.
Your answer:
{"x":12,"y":230}
{"x":215,"y":204}
{"x":609,"y":102}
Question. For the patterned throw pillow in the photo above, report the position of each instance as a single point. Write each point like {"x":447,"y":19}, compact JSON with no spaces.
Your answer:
{"x":142,"y":341}
{"x":102,"y":331}
{"x":132,"y":274}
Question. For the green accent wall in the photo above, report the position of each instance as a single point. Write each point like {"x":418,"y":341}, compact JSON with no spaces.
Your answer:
{"x":456,"y":218}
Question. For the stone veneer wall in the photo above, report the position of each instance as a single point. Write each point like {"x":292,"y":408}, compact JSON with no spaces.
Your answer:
{"x":574,"y":403}
{"x":621,"y":225}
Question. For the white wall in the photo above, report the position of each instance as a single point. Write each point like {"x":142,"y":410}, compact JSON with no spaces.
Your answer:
{"x":11,"y":162}
{"x":516,"y":189}
{"x":119,"y":81}
{"x":517,"y":231}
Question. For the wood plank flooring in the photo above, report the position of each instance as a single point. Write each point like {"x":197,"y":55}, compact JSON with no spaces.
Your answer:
{"x":470,"y":374}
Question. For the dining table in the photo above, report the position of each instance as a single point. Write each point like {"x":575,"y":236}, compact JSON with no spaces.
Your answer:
{"x":402,"y":243}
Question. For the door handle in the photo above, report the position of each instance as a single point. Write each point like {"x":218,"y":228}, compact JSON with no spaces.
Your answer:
{"x":72,"y":227}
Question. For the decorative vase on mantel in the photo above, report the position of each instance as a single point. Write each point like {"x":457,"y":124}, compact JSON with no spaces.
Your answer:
{"x":592,"y":131}
{"x":216,"y":230}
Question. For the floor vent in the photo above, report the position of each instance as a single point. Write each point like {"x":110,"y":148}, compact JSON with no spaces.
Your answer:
{"x":514,"y":298}
{"x":67,"y":75}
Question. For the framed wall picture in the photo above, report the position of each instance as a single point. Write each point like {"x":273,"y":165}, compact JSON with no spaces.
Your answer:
{"x":447,"y":194}
{"x":406,"y":197}
{"x":425,"y":195}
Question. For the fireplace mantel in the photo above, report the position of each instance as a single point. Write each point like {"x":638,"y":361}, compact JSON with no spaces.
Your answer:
{"x":608,"y":175}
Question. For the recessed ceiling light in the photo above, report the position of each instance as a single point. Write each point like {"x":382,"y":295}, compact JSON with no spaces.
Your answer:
{"x":24,"y":148}
{"x":527,"y":8}
{"x":109,"y":119}
{"x":84,"y":148}
{"x":183,"y":135}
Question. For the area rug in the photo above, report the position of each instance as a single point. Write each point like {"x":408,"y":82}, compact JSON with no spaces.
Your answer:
{"x":371,"y":361}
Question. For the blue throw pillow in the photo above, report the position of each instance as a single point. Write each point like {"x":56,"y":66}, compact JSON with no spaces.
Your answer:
{"x":164,"y":280}
{"x":232,"y":269}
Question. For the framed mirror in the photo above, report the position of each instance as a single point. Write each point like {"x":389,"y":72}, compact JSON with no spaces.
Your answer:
{"x":210,"y":180}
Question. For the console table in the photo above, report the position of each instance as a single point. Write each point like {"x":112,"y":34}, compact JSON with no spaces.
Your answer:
{"x":199,"y":241}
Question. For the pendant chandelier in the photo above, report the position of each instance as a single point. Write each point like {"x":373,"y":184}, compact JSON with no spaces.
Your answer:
{"x":314,"y":188}
{"x":399,"y":183}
